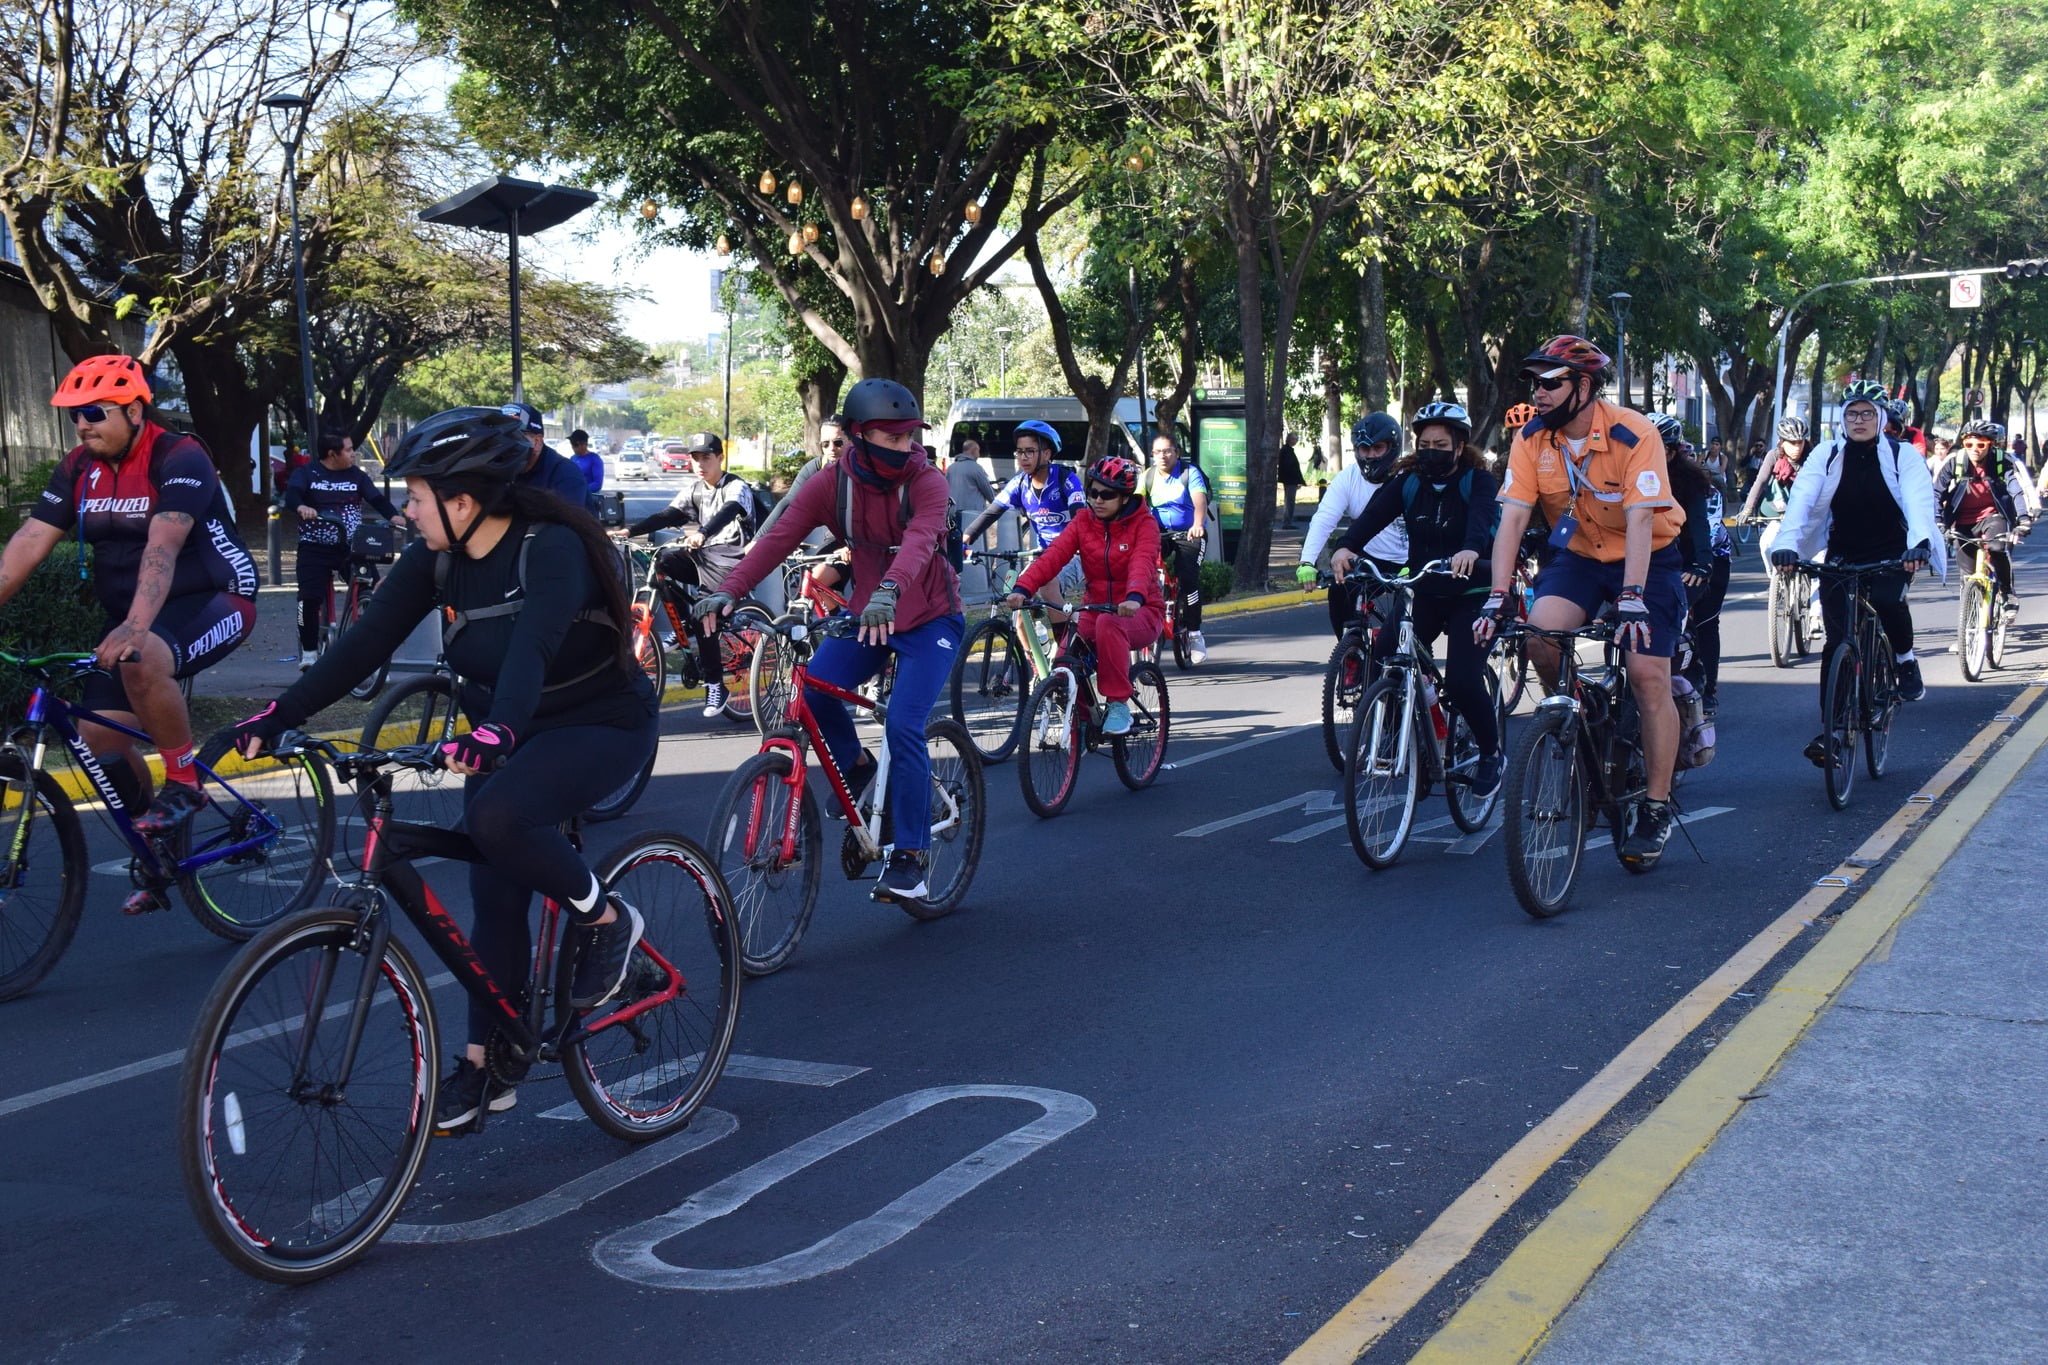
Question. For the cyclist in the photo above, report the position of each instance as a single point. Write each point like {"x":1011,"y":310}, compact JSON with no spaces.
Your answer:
{"x":1707,"y":550}
{"x":718,"y":513}
{"x":546,"y":467}
{"x":330,"y":490}
{"x":1046,"y":493}
{"x":1773,"y":482}
{"x":1983,"y":493}
{"x":1447,"y":504}
{"x":534,"y":611}
{"x":1375,"y":446}
{"x":884,"y":498}
{"x":172,"y":576}
{"x":1598,"y":472}
{"x":1863,"y":498}
{"x":1119,"y":558}
{"x":1179,"y":497}
{"x":831,"y":440}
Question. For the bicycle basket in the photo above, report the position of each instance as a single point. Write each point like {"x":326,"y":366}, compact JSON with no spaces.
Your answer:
{"x":376,"y":541}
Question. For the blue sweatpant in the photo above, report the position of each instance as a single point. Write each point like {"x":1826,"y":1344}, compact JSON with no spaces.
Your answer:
{"x":924,"y":661}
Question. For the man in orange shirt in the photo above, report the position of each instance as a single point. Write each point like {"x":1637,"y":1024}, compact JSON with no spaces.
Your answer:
{"x":1597,"y":470}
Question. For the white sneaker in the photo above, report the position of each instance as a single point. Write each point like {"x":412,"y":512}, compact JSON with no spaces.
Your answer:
{"x":307,"y":658}
{"x":1198,"y":648}
{"x":714,"y":701}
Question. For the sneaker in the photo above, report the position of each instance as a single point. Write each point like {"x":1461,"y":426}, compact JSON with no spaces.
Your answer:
{"x":1118,"y":719}
{"x":859,"y":778}
{"x":307,"y":658}
{"x":904,"y":878}
{"x":714,"y":701}
{"x":1820,"y":751}
{"x":607,"y":952}
{"x":1911,"y":688}
{"x":1486,"y":776}
{"x":1648,"y":832}
{"x":1198,"y":648}
{"x":174,"y":805}
{"x":467,"y":1093}
{"x":1710,"y":705}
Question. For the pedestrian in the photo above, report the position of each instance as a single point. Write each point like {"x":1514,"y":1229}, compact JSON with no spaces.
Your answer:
{"x":547,"y":470}
{"x":1290,"y":478}
{"x":969,"y":490}
{"x":1714,"y":465}
{"x":589,"y":464}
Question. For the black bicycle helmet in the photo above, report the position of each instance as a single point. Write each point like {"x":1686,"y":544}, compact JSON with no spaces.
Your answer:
{"x":485,"y":442}
{"x":1985,"y":428}
{"x":1375,"y":428}
{"x":704,"y":443}
{"x":880,"y":400}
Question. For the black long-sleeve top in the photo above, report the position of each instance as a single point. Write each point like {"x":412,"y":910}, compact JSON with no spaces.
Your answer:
{"x":1441,"y":522}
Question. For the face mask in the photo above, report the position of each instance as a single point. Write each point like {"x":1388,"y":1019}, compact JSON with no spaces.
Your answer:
{"x":1436,"y":465}
{"x":885,"y":458}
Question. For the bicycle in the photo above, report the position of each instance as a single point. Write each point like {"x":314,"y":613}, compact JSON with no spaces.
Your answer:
{"x":1408,"y":737}
{"x":369,"y":544}
{"x":1859,"y":685}
{"x":1063,"y":720}
{"x":1581,"y":756}
{"x":1984,"y":613}
{"x":1792,"y":605}
{"x":1002,"y":660}
{"x":257,"y":850}
{"x":1173,"y":633}
{"x":1349,"y":671}
{"x":775,"y":655}
{"x":656,"y":619}
{"x":765,"y":833}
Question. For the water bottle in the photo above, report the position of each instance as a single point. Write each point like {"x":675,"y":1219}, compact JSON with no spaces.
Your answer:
{"x":1436,"y":710}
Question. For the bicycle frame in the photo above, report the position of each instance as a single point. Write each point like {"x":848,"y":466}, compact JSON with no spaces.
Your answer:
{"x":1595,"y":705}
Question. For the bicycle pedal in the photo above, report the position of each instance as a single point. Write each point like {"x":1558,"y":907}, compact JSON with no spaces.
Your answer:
{"x":144,"y":902}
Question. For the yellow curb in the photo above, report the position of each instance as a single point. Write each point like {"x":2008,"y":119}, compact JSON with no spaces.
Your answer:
{"x":1513,"y":1311}
{"x":1270,"y":601}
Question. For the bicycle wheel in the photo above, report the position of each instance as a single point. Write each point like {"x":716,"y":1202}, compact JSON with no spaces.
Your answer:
{"x":1838,"y":723}
{"x":1052,"y":745}
{"x":959,"y":818}
{"x":1344,"y":681}
{"x":650,"y":655}
{"x":294,"y":1170}
{"x":420,"y":710}
{"x":1461,"y":756}
{"x":769,"y":675}
{"x":370,"y":686}
{"x":42,"y":880}
{"x":623,"y":797}
{"x":2002,"y":608}
{"x":772,"y":898}
{"x":1880,"y":703}
{"x":1544,"y":824}
{"x":1783,"y":613}
{"x":265,"y":840}
{"x":988,"y":689}
{"x":1382,"y":774}
{"x":737,"y":639}
{"x":1973,"y":638}
{"x":1140,"y":754}
{"x":1510,"y":668}
{"x":646,"y":1076}
{"x":1183,"y":657}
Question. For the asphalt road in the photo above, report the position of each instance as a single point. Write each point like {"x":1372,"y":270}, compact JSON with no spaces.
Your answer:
{"x":1254,"y":1070}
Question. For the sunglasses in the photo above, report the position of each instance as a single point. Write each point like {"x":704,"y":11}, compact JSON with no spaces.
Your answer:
{"x":1550,"y":385}
{"x":92,"y":414}
{"x":1101,"y":494}
{"x":835,"y":444}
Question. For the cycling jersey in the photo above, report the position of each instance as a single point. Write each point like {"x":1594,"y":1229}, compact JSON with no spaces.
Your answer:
{"x":1049,"y":509}
{"x":338,"y":494}
{"x":112,"y":505}
{"x":1173,"y":495}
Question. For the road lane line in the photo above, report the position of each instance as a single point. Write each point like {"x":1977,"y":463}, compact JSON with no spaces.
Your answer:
{"x":738,"y":1064}
{"x":1308,"y":803}
{"x":1691,"y":817}
{"x":1451,"y":1237}
{"x":1241,"y":744}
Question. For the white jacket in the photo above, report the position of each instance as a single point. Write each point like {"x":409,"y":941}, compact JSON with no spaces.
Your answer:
{"x":1345,"y":498}
{"x":1809,"y":511}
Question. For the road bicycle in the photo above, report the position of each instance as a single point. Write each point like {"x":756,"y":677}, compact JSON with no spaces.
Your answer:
{"x":1859,"y":684}
{"x":369,"y":544}
{"x":1002,"y":660}
{"x":1409,"y":737}
{"x":769,"y":677}
{"x":765,"y":832}
{"x":1579,"y":758}
{"x":1984,"y":613}
{"x":257,"y":850}
{"x":658,"y":621}
{"x":307,"y":1097}
{"x":1792,"y":604}
{"x":1063,"y":721}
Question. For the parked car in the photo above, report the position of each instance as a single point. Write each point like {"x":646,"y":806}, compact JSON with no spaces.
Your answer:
{"x":631,"y":464}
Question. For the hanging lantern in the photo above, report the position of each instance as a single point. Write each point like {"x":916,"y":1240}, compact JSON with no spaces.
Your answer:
{"x":724,"y":245}
{"x":937,"y":264}
{"x":796,"y":194}
{"x":860,"y":208}
{"x":767,"y":182}
{"x":973,"y":213}
{"x":810,"y":232}
{"x":648,"y":209}
{"x":1134,"y":163}
{"x":796,"y":244}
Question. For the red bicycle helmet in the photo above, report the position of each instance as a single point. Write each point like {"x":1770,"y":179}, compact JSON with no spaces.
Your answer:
{"x":1115,"y":471}
{"x":1566,"y":352}
{"x":113,"y":379}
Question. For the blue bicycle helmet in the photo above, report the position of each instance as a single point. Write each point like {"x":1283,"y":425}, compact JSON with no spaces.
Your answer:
{"x":1042,"y":430}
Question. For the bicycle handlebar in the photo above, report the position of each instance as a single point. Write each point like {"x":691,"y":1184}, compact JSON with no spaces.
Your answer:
{"x":50,"y":663}
{"x":1436,"y":568}
{"x":1842,"y":570}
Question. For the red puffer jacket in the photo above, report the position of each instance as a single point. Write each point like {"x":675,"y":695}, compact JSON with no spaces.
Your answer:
{"x":1119,"y":558}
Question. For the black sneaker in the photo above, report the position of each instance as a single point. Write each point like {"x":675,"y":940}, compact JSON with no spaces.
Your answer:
{"x":1486,"y":776}
{"x":1821,"y":751}
{"x":468,"y":1091}
{"x":1710,"y":705}
{"x":859,"y":778}
{"x":1911,"y":688}
{"x":607,"y":952}
{"x":904,"y":878}
{"x":1649,"y":831}
{"x":174,"y":805}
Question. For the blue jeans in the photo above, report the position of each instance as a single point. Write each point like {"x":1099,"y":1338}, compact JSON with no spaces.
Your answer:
{"x":924,"y":661}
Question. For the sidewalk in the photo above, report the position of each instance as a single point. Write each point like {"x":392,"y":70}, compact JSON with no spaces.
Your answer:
{"x":1884,"y":1194}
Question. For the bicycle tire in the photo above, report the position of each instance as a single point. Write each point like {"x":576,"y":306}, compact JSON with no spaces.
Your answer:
{"x":251,"y":1032}
{"x":369,"y":687}
{"x":1345,"y":678}
{"x":769,"y":677}
{"x":744,"y":845}
{"x":1783,"y":618}
{"x":1972,"y":638}
{"x":647,"y":1077}
{"x":986,"y":690}
{"x":2001,"y":623}
{"x":1183,"y":655}
{"x":422,"y":709}
{"x":737,"y":639}
{"x":1050,"y":758}
{"x":622,"y":798}
{"x":1461,"y":752}
{"x":651,"y":657}
{"x":237,"y":896}
{"x":1544,"y":820}
{"x":1510,"y":658}
{"x":957,"y":786}
{"x":1384,"y":781}
{"x":1881,"y":692}
{"x":1140,"y":754}
{"x":32,"y":941}
{"x":1839,"y":723}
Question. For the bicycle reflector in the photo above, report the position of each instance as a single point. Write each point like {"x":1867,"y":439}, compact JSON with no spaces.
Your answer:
{"x":2025,"y":270}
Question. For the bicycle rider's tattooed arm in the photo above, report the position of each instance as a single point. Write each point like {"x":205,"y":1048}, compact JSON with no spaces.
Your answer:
{"x":26,"y":549}
{"x":167,"y":532}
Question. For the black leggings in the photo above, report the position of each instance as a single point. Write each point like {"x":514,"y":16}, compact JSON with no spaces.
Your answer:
{"x":1465,"y":662}
{"x":513,"y":815}
{"x":1704,"y":603}
{"x":318,"y":564}
{"x":678,"y":567}
{"x":1887,"y":594}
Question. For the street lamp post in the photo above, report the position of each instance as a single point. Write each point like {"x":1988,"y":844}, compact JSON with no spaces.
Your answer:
{"x":1621,"y":302}
{"x":288,"y":115}
{"x":1003,"y":360}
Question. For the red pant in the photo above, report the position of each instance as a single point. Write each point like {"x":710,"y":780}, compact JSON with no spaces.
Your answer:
{"x":1114,"y":637}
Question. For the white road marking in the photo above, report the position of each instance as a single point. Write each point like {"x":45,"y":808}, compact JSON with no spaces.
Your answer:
{"x":1177,"y":765}
{"x":630,"y":1253}
{"x":738,"y":1064}
{"x":1308,"y":803}
{"x":1691,"y":817}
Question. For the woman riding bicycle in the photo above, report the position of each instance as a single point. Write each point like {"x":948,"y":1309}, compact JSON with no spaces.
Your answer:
{"x":1704,"y":542}
{"x":884,"y":497}
{"x":1447,"y":503}
{"x":533,"y":611}
{"x":1118,"y":551}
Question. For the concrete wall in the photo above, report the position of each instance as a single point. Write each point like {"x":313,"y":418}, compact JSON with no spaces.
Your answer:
{"x":31,"y":363}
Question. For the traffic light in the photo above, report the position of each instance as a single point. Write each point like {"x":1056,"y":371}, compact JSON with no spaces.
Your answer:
{"x":2025,"y":270}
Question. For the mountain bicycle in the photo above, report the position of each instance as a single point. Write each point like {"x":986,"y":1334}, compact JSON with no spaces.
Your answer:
{"x":1985,"y":611}
{"x":1063,"y":720}
{"x":369,"y":544}
{"x":657,"y":621}
{"x":1409,"y":736}
{"x":765,"y":833}
{"x":257,"y":850}
{"x":1001,"y":661}
{"x":307,"y":1096}
{"x":769,"y":677}
{"x":1859,"y":684}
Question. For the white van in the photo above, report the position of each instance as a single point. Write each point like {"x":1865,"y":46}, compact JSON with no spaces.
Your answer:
{"x":990,"y":421}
